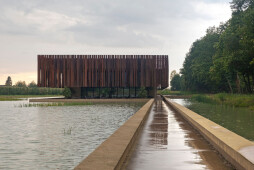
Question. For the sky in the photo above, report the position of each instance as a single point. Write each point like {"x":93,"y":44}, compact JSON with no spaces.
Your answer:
{"x":166,"y":27}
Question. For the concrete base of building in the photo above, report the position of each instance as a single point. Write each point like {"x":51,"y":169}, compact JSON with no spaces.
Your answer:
{"x":236,"y":149}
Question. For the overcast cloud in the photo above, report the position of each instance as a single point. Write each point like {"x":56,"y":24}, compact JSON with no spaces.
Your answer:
{"x":29,"y":28}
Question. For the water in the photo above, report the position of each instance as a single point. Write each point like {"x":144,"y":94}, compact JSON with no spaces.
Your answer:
{"x":238,"y":120}
{"x":167,"y":141}
{"x":55,"y":137}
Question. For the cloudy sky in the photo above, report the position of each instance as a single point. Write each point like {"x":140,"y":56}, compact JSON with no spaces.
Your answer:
{"x":32,"y":27}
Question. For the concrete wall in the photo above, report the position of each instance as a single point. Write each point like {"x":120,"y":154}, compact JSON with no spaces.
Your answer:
{"x":236,"y":149}
{"x":112,"y":153}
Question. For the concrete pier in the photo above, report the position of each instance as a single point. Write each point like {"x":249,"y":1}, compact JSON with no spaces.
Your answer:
{"x":236,"y":149}
{"x":167,"y":141}
{"x":112,"y":153}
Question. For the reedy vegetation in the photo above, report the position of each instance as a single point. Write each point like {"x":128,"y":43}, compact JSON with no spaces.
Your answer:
{"x":14,"y":90}
{"x":54,"y":104}
{"x":235,"y":100}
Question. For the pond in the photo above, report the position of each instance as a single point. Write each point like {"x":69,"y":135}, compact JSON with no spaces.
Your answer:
{"x":56,"y":137}
{"x":238,"y":120}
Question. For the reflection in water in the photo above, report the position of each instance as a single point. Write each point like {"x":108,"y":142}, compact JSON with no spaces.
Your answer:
{"x":159,"y":127}
{"x":238,"y":120}
{"x":55,"y":137}
{"x":167,"y":141}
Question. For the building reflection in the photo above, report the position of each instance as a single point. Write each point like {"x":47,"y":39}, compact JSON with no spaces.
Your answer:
{"x":159,"y":126}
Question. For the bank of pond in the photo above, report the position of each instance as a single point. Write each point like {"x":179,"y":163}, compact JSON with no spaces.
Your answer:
{"x":237,"y":119}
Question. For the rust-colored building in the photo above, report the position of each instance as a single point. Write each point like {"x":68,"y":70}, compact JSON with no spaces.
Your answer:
{"x":94,"y":73}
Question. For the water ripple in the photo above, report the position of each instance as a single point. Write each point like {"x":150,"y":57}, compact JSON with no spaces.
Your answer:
{"x":55,"y":137}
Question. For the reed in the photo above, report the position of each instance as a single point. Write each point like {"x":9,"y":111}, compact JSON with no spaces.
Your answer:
{"x":54,"y":104}
{"x":236,"y":100}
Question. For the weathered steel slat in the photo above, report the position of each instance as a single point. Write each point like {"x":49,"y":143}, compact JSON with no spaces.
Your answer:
{"x":102,"y":70}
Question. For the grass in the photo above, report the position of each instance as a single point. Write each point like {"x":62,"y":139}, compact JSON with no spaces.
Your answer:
{"x":175,"y":93}
{"x":54,"y":104}
{"x":202,"y":98}
{"x":236,"y":100}
{"x":19,"y":97}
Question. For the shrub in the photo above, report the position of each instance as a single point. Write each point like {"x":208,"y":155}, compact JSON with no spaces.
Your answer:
{"x":142,"y":93}
{"x":67,"y":92}
{"x":14,"y":90}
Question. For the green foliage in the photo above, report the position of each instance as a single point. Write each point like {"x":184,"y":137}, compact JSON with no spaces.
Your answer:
{"x":174,"y":93}
{"x":198,"y":62}
{"x":67,"y":92}
{"x":14,"y":90}
{"x":8,"y":81}
{"x":235,"y":100}
{"x":222,"y":60}
{"x":20,"y":84}
{"x":175,"y":82}
{"x":32,"y":84}
{"x":142,"y":93}
{"x":221,"y":97}
{"x":232,"y":61}
{"x":241,"y":5}
{"x":172,"y":74}
{"x":202,"y":98}
{"x":68,"y":131}
{"x":163,"y":92}
{"x":105,"y":92}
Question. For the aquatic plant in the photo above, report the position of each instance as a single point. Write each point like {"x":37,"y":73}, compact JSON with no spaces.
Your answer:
{"x":67,"y":131}
{"x":54,"y":104}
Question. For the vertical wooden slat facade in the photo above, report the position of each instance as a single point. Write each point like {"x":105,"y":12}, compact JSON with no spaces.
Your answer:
{"x":102,"y":71}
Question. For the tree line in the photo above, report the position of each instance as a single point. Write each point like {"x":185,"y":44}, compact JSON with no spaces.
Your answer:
{"x":20,"y":88}
{"x":19,"y":83}
{"x":222,"y":60}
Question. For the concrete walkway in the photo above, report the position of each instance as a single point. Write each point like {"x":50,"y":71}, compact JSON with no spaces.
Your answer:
{"x":167,"y":141}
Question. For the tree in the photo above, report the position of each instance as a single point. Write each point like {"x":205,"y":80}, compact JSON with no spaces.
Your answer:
{"x":223,"y":60}
{"x":241,"y":5}
{"x":198,"y":62}
{"x":175,"y":83}
{"x":232,"y":62}
{"x":172,"y":74}
{"x":32,"y":84}
{"x":21,"y":84}
{"x":8,"y":81}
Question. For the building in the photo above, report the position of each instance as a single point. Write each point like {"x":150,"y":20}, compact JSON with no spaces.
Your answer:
{"x":91,"y":76}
